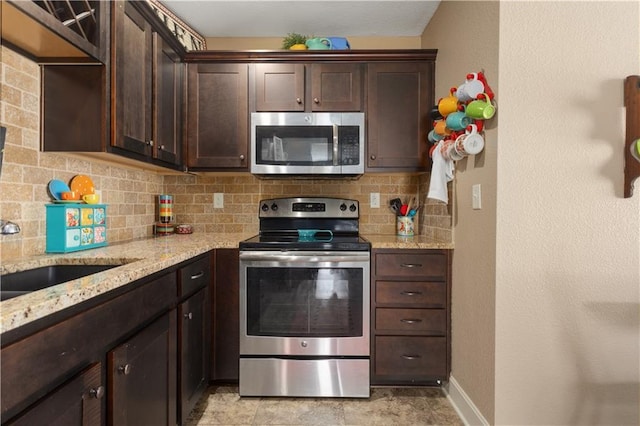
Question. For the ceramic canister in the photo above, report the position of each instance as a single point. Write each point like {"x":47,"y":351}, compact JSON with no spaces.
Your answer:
{"x":165,"y":208}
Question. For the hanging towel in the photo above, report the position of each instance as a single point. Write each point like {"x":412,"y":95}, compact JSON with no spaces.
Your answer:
{"x":441,"y":174}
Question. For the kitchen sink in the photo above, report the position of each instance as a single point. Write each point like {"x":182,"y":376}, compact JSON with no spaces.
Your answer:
{"x":19,"y":283}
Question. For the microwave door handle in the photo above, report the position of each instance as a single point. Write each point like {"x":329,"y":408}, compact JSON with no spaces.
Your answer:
{"x":335,"y":144}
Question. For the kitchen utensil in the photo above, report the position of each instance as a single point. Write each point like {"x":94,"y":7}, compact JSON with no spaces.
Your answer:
{"x":448,"y":105}
{"x":315,"y":235}
{"x":91,"y":198}
{"x":440,"y":128}
{"x":458,"y":120}
{"x":82,"y":185}
{"x":56,"y":188}
{"x":339,"y":43}
{"x":470,"y":89}
{"x":405,"y":226}
{"x":70,"y":195}
{"x":481,"y":108}
{"x":396,"y":205}
{"x":318,"y":43}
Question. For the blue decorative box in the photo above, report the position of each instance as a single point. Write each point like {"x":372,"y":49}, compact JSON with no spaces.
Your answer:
{"x":75,"y":226}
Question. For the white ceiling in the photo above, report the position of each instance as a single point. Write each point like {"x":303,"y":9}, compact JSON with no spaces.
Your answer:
{"x":321,"y":18}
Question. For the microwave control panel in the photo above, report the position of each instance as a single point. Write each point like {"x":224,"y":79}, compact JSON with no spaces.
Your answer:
{"x":349,"y":142}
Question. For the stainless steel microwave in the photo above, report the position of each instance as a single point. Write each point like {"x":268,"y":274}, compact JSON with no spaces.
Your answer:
{"x":307,"y":144}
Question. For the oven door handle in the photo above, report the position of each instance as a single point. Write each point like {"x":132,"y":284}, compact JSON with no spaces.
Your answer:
{"x":335,"y":145}
{"x":296,"y":256}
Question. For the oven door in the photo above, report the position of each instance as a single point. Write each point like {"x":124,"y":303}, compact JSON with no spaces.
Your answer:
{"x":297,"y":303}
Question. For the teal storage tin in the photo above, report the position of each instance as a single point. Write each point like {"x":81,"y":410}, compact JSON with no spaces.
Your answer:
{"x":75,"y":226}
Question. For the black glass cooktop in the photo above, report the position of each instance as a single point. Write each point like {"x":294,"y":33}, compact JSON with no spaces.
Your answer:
{"x":321,"y":241}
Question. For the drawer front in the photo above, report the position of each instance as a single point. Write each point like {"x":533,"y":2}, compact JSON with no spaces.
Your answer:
{"x":426,"y":321}
{"x":194,"y":276}
{"x":412,"y":293}
{"x":411,"y":358}
{"x":414,"y":265}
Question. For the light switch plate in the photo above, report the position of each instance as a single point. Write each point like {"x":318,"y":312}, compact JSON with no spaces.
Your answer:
{"x":375,"y":200}
{"x":218,"y":200}
{"x":476,"y":197}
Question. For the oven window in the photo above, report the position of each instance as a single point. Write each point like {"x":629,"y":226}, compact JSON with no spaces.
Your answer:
{"x":304,"y":302}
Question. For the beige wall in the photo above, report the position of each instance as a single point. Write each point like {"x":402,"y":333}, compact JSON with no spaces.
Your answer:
{"x":568,"y":243}
{"x":553,"y":258}
{"x":274,"y":43}
{"x":471,"y":45}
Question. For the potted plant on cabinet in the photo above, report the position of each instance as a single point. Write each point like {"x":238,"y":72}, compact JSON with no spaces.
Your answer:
{"x":294,"y":41}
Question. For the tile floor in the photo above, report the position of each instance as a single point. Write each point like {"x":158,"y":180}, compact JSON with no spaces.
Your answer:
{"x":386,"y":406}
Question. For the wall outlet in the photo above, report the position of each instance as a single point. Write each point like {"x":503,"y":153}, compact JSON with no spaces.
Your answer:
{"x":476,"y":197}
{"x":375,"y":200}
{"x":218,"y":200}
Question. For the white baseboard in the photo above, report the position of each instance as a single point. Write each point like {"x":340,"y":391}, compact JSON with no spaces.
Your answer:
{"x":463,"y":405}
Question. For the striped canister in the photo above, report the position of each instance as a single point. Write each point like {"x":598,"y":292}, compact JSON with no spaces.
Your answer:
{"x":165,"y":208}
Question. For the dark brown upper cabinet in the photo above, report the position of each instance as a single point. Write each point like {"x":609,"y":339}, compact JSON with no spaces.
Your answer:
{"x":218,"y":117}
{"x":308,"y":87}
{"x":399,"y":97}
{"x":147,"y":80}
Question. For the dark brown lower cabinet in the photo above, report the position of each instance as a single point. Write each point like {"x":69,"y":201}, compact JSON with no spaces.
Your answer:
{"x":193,"y":315}
{"x":78,"y":402}
{"x":410,"y":316}
{"x":114,"y":359}
{"x":142,"y":376}
{"x":226,"y":317}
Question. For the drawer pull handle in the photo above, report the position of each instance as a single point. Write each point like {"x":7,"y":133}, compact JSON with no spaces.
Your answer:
{"x":189,"y":316}
{"x":198,"y":275}
{"x":410,"y":357}
{"x":411,"y":320}
{"x":411,"y":293}
{"x":411,"y":265}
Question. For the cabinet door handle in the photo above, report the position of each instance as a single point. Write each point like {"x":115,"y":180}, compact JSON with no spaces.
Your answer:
{"x":411,"y":293}
{"x":97,"y":393}
{"x":373,"y":157}
{"x":198,"y":275}
{"x":411,"y":356}
{"x":150,"y":143}
{"x":298,"y":101}
{"x":125,"y":369}
{"x":189,"y":315}
{"x":242,"y":157}
{"x":161,"y":147}
{"x":411,"y":320}
{"x":316,"y":100}
{"x":411,"y":265}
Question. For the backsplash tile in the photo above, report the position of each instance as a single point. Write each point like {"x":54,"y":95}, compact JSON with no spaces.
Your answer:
{"x":131,"y":194}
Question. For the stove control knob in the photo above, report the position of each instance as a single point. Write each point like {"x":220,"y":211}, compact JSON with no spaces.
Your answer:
{"x":352,"y":207}
{"x":343,"y":207}
{"x":274,"y":207}
{"x":264,"y":207}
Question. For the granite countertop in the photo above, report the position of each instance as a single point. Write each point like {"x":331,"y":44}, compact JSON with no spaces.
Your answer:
{"x":138,"y":259}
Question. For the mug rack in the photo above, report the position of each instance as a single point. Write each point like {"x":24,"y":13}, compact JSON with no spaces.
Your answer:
{"x":632,"y":105}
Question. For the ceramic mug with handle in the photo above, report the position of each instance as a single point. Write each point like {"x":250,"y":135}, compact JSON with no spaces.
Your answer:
{"x":481,"y":109}
{"x":318,"y":43}
{"x":470,"y":89}
{"x":470,"y":143}
{"x":458,"y":120}
{"x":448,"y":105}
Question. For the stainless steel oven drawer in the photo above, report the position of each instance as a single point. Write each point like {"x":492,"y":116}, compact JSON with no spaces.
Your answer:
{"x":304,"y":377}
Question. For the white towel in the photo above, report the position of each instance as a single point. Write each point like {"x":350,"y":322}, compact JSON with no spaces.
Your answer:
{"x":441,"y":174}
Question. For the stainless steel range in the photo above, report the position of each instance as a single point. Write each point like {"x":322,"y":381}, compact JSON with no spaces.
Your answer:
{"x":304,"y":301}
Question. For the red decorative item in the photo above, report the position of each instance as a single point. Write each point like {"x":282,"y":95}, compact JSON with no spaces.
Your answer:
{"x":487,"y":88}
